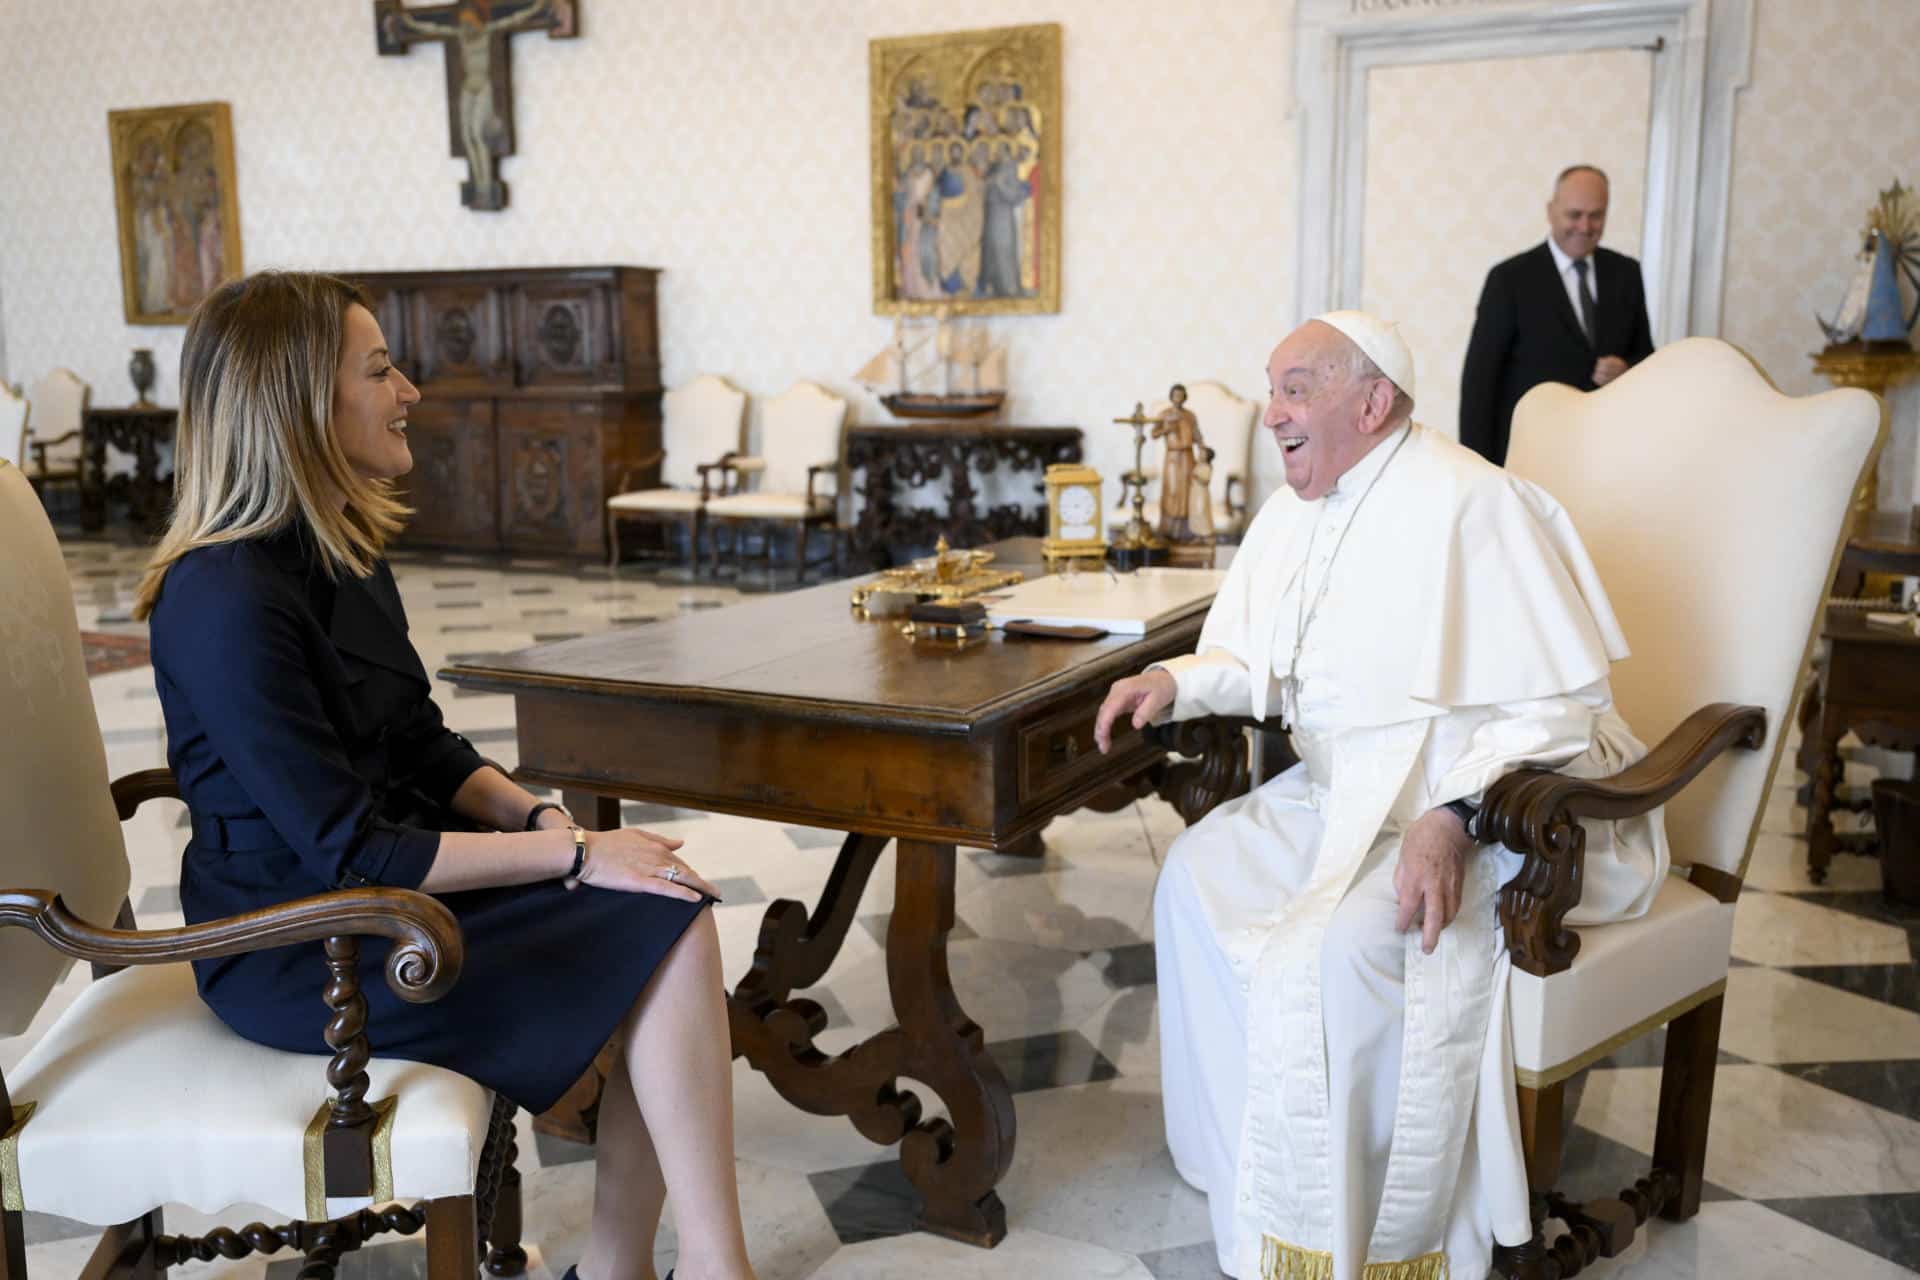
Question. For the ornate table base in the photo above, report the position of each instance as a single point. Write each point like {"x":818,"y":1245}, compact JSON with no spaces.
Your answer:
{"x":914,"y":454}
{"x":140,"y":432}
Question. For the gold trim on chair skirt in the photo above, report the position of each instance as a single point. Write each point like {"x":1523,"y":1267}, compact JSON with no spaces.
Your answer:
{"x":312,"y":1155}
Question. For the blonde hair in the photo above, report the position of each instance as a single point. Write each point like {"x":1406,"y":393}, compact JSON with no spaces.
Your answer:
{"x":254,"y":452}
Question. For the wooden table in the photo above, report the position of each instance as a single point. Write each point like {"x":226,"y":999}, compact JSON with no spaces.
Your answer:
{"x":1871,"y":685}
{"x":788,"y":708}
{"x":140,"y":431}
{"x":915,"y":453}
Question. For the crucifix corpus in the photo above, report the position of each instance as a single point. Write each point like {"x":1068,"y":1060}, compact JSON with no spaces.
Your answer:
{"x":479,"y":82}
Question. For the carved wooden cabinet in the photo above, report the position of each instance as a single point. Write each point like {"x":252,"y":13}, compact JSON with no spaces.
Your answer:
{"x":539,"y":387}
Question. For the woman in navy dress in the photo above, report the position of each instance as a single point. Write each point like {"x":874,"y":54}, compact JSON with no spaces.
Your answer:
{"x":311,"y":756}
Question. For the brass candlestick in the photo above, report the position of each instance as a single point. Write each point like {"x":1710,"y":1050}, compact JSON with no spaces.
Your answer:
{"x":1137,"y":543}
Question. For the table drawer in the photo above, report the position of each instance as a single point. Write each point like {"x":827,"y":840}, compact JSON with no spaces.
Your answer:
{"x":1057,"y":751}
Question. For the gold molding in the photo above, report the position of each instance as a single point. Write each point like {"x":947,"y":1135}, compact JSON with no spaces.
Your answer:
{"x":12,"y":1198}
{"x":955,"y":63}
{"x":1528,"y":1079}
{"x":313,"y":1153}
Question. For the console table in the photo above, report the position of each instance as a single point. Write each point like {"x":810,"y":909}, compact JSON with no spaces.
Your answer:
{"x":913,"y":454}
{"x":140,"y":431}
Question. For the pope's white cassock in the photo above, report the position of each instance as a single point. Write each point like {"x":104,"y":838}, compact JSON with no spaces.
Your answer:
{"x":1345,"y":1100}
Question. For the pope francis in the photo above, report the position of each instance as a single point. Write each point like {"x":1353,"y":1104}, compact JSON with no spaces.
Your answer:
{"x":1334,"y":1040}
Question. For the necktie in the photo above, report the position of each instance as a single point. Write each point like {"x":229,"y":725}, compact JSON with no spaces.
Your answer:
{"x":1586,"y":301}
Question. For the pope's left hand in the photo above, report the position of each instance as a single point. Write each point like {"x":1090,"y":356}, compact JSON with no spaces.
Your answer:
{"x":1432,"y":870}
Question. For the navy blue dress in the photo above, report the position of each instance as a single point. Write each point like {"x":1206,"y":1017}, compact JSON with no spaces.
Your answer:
{"x":303,"y":735}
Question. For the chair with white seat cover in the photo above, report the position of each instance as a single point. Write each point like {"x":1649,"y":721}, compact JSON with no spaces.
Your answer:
{"x":1717,"y":561}
{"x":58,"y":405}
{"x":702,"y":422}
{"x":795,"y":479}
{"x":136,"y":1096}
{"x":1226,"y":427}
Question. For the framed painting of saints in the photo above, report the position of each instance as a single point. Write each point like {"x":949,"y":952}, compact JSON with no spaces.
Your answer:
{"x":179,"y":210}
{"x":965,"y":131}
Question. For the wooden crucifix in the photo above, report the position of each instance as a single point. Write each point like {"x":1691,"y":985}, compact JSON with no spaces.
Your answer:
{"x":479,"y":81}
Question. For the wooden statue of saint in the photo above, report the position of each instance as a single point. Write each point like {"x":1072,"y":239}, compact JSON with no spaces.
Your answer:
{"x":479,"y":85}
{"x":1178,"y":490}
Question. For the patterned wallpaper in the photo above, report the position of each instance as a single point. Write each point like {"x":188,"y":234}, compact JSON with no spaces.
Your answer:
{"x":726,"y":144}
{"x":1453,"y":188}
{"x":1827,"y":122}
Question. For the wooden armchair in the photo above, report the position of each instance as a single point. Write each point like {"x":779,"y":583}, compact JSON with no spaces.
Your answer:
{"x":701,"y":427}
{"x":52,"y":444}
{"x":1716,"y":551}
{"x":136,"y":1096}
{"x":13,"y":427}
{"x":797,"y":470}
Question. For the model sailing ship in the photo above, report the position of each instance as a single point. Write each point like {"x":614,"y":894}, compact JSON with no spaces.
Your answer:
{"x":938,"y":371}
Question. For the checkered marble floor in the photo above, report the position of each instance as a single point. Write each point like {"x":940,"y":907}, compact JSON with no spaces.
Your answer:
{"x":1814,"y":1161}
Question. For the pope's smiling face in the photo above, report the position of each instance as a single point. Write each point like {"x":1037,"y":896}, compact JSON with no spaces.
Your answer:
{"x":1323,"y":417}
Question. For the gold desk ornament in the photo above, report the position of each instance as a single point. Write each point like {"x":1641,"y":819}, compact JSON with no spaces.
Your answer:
{"x":1073,"y":516}
{"x":1137,"y":544}
{"x":945,"y":575}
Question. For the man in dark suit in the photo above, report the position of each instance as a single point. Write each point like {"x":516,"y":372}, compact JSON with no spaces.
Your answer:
{"x":1564,"y":311}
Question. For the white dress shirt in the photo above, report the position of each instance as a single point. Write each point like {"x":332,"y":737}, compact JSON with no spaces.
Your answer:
{"x":1570,"y":280}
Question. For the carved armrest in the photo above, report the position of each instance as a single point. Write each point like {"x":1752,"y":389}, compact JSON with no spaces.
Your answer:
{"x":1219,"y":745}
{"x":132,"y":790}
{"x":730,"y":466}
{"x":1536,"y":813}
{"x":427,"y":953}
{"x":39,"y":447}
{"x":822,"y":468}
{"x":653,"y":459}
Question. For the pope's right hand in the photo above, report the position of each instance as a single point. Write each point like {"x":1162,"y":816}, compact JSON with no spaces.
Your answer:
{"x":1143,"y":697}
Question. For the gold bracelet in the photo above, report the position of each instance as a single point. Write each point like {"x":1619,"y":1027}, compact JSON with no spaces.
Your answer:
{"x":572,"y":879}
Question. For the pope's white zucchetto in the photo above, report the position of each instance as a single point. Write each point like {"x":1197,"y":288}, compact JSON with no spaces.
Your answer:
{"x":1380,"y":339}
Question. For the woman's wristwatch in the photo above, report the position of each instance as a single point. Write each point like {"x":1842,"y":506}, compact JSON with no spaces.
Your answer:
{"x":1469,"y":815}
{"x":572,"y":879}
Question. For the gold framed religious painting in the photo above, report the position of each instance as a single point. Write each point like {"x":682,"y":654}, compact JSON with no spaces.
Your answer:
{"x":965,"y":131}
{"x":179,"y":210}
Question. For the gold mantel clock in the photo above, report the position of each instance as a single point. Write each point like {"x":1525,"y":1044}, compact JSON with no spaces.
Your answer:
{"x":1074,"y":529}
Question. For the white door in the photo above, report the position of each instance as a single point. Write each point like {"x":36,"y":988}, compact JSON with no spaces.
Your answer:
{"x":1461,"y":158}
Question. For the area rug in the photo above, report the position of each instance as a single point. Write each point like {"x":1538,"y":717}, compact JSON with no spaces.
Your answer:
{"x":106,"y":654}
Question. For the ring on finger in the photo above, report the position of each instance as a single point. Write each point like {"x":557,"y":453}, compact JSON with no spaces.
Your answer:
{"x":670,"y":875}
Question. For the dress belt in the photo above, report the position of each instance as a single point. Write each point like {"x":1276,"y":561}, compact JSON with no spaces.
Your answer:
{"x":211,"y":831}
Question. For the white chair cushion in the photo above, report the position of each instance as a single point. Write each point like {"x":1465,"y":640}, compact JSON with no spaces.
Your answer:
{"x":1624,"y":974}
{"x":767,"y":506}
{"x":681,"y":500}
{"x":144,"y":1098}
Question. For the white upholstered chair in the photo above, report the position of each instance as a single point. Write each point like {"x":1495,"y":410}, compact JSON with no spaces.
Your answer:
{"x":795,"y":479}
{"x":1717,"y":559}
{"x":13,"y":427}
{"x":136,"y":1096}
{"x":702,"y":423}
{"x":59,"y":404}
{"x":1226,"y":427}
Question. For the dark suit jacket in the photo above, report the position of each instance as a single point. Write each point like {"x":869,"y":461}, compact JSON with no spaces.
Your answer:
{"x":300,"y":728}
{"x":1526,"y":333}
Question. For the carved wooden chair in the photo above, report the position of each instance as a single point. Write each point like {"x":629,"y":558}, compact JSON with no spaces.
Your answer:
{"x":135,"y":1096}
{"x":1717,"y":558}
{"x":797,"y":470}
{"x":59,"y":405}
{"x":702,"y":423}
{"x":1226,"y":425}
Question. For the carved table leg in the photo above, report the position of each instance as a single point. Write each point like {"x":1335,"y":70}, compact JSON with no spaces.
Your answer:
{"x":93,"y":478}
{"x":1826,"y":777}
{"x":955,"y":1166}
